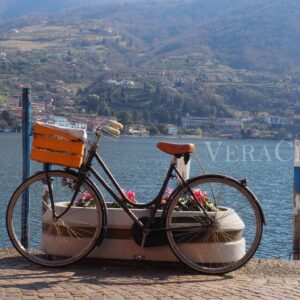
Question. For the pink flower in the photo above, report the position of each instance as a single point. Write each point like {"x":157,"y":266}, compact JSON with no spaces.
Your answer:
{"x":200,"y":196}
{"x":86,"y":196}
{"x":163,"y":202}
{"x":131,"y":196}
{"x":169,"y":192}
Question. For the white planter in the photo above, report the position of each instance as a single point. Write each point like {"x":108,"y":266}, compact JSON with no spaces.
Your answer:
{"x":119,"y":244}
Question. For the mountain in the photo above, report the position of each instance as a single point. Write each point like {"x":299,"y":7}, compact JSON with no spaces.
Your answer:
{"x":258,"y":34}
{"x":15,"y":8}
{"x":210,"y":56}
{"x":261,"y":35}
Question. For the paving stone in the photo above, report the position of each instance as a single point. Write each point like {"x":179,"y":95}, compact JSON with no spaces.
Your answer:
{"x":21,"y":280}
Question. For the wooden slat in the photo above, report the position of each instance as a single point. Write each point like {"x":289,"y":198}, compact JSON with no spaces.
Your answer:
{"x":56,"y":158}
{"x":44,"y":130}
{"x":58,"y":145}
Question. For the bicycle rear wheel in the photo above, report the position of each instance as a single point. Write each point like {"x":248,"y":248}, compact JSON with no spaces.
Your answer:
{"x":234,"y":234}
{"x":40,"y":237}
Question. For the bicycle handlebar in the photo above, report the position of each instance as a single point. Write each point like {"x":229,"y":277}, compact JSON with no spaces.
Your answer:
{"x":115,"y":124}
{"x":111,"y":127}
{"x":110,"y":130}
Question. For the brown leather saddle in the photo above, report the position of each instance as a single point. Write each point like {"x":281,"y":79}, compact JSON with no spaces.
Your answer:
{"x":176,"y":149}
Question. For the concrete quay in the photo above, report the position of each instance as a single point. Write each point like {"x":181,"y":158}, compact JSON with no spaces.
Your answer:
{"x":91,"y":280}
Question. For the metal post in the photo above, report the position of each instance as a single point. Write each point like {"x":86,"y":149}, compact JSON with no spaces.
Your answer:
{"x":296,"y":214}
{"x":26,"y":144}
{"x":183,"y":166}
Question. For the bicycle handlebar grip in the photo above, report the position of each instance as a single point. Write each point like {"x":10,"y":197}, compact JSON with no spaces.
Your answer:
{"x":111,"y":130}
{"x":115,"y":124}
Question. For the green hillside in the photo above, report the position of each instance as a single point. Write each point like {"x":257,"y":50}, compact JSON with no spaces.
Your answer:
{"x":203,"y":57}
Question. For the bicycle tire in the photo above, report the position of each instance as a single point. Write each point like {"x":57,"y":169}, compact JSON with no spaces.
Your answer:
{"x":233,"y":237}
{"x":47,"y":241}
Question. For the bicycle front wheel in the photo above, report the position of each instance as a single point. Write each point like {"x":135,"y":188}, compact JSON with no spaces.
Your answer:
{"x":225,"y":240}
{"x":38,"y":235}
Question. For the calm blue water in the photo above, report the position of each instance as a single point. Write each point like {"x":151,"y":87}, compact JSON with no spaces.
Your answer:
{"x":139,"y":166}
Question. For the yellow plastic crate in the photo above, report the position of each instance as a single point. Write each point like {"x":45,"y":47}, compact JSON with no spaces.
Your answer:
{"x":56,"y":145}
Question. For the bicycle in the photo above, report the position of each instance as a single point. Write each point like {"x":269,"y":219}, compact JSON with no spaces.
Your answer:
{"x":205,"y":217}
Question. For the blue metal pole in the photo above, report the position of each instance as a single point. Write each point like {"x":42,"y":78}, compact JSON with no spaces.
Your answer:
{"x":26,"y":145}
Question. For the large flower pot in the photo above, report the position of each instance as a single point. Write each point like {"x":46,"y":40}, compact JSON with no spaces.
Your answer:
{"x":119,"y":244}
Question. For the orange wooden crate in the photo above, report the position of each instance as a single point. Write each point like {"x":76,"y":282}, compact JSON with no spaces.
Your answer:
{"x":56,"y":146}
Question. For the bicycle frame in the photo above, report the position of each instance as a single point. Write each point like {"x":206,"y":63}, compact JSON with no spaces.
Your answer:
{"x":154,"y":204}
{"x":121,"y":198}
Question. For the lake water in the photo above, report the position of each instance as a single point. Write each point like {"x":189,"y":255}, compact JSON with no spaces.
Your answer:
{"x":139,"y":166}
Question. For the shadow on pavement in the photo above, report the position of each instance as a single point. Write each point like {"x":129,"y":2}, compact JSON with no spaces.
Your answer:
{"x":16,"y":272}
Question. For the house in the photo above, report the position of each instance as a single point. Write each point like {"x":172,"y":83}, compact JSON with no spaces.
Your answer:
{"x":49,"y":103}
{"x":68,"y":102}
{"x":276,"y":120}
{"x":229,"y":125}
{"x":137,"y":130}
{"x":195,"y":122}
{"x":3,"y":55}
{"x":242,"y":114}
{"x":172,"y":129}
{"x":127,"y":83}
{"x":59,"y":121}
{"x":111,"y":82}
{"x":263,"y":114}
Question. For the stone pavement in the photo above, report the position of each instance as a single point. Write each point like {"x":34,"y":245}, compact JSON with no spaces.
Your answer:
{"x":140,"y":280}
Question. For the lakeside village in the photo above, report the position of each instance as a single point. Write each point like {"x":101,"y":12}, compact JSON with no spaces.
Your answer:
{"x":244,"y":125}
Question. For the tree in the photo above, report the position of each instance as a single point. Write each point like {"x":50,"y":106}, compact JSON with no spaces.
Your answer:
{"x":162,"y":129}
{"x":246,"y":133}
{"x":125,"y":117}
{"x":93,"y":103}
{"x":3,"y":124}
{"x":282,"y":133}
{"x":147,"y":88}
{"x":198,"y":132}
{"x":122,"y":92}
{"x":6,"y":117}
{"x":104,"y":110}
{"x":154,"y":130}
{"x":136,"y":117}
{"x":129,"y":43}
{"x":146,"y":116}
{"x":156,"y":95}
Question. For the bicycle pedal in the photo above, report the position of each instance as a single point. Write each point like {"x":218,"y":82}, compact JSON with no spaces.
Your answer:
{"x":139,"y":257}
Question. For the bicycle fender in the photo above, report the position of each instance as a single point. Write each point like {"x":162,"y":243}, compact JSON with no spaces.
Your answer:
{"x":242,"y":184}
{"x":258,"y":206}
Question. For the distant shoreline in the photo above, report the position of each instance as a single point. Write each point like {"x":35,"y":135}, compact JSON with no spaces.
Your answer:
{"x":180,"y":137}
